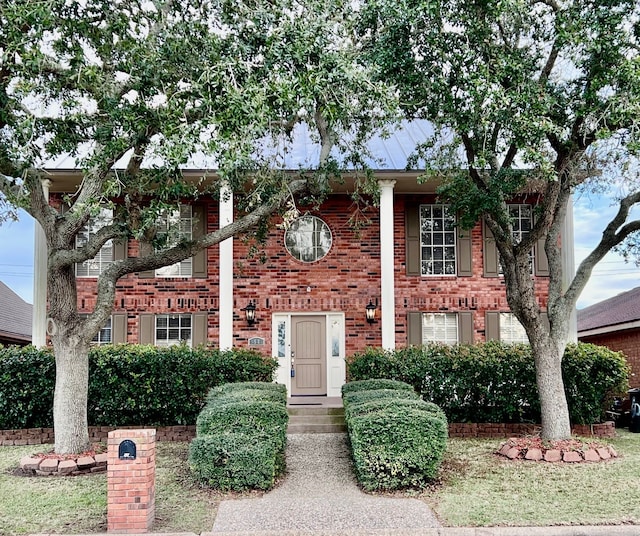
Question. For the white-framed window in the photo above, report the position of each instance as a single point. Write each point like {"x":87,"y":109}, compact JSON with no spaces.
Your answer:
{"x":173,"y":329}
{"x":511,"y":330}
{"x":437,"y":240}
{"x":94,"y":267}
{"x":440,"y":327}
{"x":105,"y":335}
{"x":522,"y":222}
{"x":178,"y":225}
{"x":308,"y":239}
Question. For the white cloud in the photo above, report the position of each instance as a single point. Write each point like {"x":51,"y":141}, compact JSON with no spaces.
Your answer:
{"x":612,"y":275}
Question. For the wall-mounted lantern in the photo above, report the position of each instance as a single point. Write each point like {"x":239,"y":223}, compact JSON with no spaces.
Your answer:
{"x":370,"y":311}
{"x":250,"y":313}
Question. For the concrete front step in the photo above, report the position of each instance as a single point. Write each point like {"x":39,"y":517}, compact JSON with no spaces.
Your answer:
{"x":313,"y":410}
{"x":315,"y":420}
{"x":316,"y":428}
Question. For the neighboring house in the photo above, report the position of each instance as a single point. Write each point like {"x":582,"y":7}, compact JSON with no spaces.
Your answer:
{"x":615,"y":323}
{"x":427,"y":279}
{"x":15,"y":318}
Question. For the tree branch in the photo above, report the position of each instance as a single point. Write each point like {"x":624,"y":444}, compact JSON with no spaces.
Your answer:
{"x":108,"y":279}
{"x":614,"y":234}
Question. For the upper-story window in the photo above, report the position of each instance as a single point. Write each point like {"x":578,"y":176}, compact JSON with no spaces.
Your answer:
{"x":522,"y":217}
{"x":308,"y":239}
{"x":178,"y":225}
{"x":94,"y":267}
{"x":522,"y":223}
{"x":437,"y":240}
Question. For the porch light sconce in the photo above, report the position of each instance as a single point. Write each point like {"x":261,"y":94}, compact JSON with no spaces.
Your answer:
{"x":370,"y":311}
{"x":250,"y":313}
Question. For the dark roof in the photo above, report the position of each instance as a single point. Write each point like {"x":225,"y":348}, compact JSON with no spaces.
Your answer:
{"x":620,"y":309}
{"x":15,"y":317}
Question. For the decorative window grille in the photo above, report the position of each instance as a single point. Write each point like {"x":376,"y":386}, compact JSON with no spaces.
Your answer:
{"x":173,"y":329}
{"x":94,"y":267}
{"x":178,"y":225}
{"x":308,"y":239}
{"x":437,"y":240}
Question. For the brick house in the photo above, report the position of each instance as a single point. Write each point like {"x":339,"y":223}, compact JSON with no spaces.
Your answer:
{"x":423,"y":278}
{"x":15,"y":318}
{"x":615,"y":323}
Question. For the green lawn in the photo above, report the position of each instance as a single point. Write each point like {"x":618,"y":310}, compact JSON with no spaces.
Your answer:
{"x":476,"y":488}
{"x":479,"y":488}
{"x":74,"y":505}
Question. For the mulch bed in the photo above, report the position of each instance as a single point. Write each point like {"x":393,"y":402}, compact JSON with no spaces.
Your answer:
{"x":533,"y":448}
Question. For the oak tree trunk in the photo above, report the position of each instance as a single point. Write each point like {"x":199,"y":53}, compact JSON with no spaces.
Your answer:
{"x":70,"y":398}
{"x":71,"y":350}
{"x":553,"y":401}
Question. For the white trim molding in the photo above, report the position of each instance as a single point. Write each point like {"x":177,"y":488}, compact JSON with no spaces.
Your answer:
{"x":225,"y":287}
{"x":39,"y":322}
{"x":387,"y":268}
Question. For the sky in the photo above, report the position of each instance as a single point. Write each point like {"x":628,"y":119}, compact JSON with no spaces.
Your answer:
{"x":591,"y":213}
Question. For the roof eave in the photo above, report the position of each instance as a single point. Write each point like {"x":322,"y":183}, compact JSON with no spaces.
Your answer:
{"x":603,"y":330}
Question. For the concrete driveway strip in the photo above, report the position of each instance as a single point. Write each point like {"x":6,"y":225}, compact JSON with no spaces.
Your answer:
{"x":319,"y":494}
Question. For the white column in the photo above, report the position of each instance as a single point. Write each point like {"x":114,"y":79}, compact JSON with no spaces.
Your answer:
{"x":569,"y":265}
{"x":387,"y":276}
{"x":225,"y":337}
{"x":39,"y":319}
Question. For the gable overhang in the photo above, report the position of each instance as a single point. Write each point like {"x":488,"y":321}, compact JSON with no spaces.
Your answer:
{"x":68,"y":181}
{"x":607,"y":330}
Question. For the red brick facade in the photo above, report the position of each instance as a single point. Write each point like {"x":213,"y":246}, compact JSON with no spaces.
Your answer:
{"x":627,"y":342}
{"x":131,"y":482}
{"x":344,"y":281}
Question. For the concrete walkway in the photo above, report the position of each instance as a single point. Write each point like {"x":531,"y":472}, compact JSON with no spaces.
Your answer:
{"x":319,"y":495}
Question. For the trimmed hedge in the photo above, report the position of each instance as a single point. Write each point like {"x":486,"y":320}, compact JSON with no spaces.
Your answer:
{"x":359,"y":397}
{"x":371,"y":406}
{"x":374,"y":383}
{"x":396,"y":441}
{"x":261,"y":391}
{"x":128,"y":384}
{"x":233,"y":461}
{"x":27,"y":380}
{"x":241,"y":437}
{"x":496,"y":382}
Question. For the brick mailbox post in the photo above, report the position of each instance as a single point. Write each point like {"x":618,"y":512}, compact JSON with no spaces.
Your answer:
{"x":131,"y":475}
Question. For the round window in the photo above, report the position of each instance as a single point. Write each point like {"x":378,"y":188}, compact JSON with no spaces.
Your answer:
{"x":308,"y":239}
